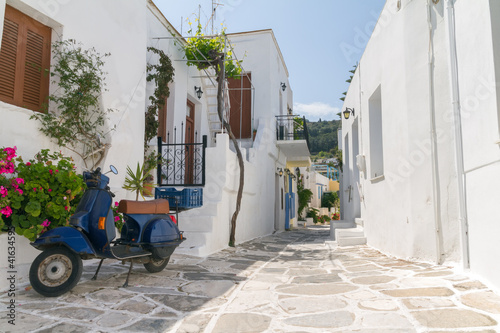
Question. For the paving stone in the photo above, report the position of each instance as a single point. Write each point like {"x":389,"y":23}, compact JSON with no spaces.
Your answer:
{"x":212,"y":276}
{"x":306,"y":271}
{"x":154,"y":290}
{"x":324,"y":278}
{"x":66,"y":328}
{"x":209,"y":288}
{"x":361,"y":295}
{"x":452,"y":318}
{"x":434,"y":274}
{"x":363,"y":268}
{"x":151,"y":325}
{"x":485,"y":300}
{"x":187,"y":303}
{"x":110,"y":296}
{"x":299,"y":305}
{"x":323,"y":320}
{"x":194,"y":324}
{"x":373,"y":279}
{"x":471,"y":285}
{"x":420,"y":282}
{"x":137,"y":305}
{"x":389,"y":320}
{"x":250,"y":301}
{"x":274,"y":270}
{"x":419,"y":292}
{"x":322,"y":289}
{"x":379,"y":305}
{"x":75,"y":313}
{"x":24,"y":323}
{"x":427,"y":303}
{"x":242,"y":323}
{"x":114,"y":319}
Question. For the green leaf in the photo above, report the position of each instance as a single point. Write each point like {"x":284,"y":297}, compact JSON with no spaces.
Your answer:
{"x":33,"y":208}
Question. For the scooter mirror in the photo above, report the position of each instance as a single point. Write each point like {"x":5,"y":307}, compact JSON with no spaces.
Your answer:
{"x":113,"y":169}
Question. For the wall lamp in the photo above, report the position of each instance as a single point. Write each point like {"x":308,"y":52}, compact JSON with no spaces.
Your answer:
{"x":348,"y":112}
{"x":198,"y":91}
{"x":283,"y":86}
{"x":280,"y":171}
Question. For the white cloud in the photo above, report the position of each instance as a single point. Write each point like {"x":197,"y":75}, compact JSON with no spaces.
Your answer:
{"x":316,"y":110}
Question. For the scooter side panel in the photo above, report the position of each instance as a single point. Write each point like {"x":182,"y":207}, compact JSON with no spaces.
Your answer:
{"x":159,"y":230}
{"x":68,"y":236}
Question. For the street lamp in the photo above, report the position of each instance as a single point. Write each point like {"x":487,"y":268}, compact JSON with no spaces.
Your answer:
{"x":348,"y":112}
{"x":198,"y":91}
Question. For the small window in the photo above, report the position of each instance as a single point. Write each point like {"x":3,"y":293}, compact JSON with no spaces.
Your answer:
{"x":24,"y":61}
{"x":376,"y":140}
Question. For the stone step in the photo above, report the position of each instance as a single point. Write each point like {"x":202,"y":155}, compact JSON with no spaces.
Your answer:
{"x":351,"y":241}
{"x":197,"y":224}
{"x":350,"y":232}
{"x":194,"y":244}
{"x":341,"y":224}
{"x":359,"y":221}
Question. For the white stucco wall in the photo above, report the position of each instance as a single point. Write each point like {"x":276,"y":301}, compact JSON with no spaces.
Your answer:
{"x":419,"y":191}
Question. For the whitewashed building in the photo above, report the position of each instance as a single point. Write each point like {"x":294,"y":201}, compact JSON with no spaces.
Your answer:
{"x":420,"y":145}
{"x":125,"y":31}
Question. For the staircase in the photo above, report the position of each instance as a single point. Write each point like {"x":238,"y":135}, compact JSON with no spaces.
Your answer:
{"x":348,"y":233}
{"x":209,"y":84}
{"x":199,"y":226}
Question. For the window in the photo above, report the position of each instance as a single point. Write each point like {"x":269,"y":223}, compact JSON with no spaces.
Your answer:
{"x":376,"y":143}
{"x":240,"y":99}
{"x":24,"y":61}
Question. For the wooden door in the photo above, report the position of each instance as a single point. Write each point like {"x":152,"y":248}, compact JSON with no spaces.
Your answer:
{"x":240,"y":98}
{"x":189,"y":139}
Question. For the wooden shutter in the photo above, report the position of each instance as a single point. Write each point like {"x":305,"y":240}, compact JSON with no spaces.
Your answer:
{"x":24,"y":61}
{"x":8,"y":60}
{"x":240,"y":97}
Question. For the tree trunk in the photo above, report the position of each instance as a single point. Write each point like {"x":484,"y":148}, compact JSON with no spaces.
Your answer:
{"x":219,"y":70}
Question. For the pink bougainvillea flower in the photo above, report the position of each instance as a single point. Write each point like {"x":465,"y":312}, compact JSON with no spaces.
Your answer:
{"x":66,"y":208}
{"x":19,"y":180}
{"x":57,"y":171}
{"x":50,"y":190}
{"x":7,"y":211}
{"x":117,"y":218}
{"x":34,"y":189}
{"x":116,"y":204}
{"x":45,"y":223}
{"x":3,"y":191}
{"x":50,"y":171}
{"x":11,"y":152}
{"x":20,"y":191}
{"x":28,"y":164}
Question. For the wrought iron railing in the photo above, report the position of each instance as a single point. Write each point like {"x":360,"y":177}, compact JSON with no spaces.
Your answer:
{"x":292,"y":127}
{"x":181,"y":164}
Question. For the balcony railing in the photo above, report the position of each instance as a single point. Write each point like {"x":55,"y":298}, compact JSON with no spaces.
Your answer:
{"x":181,"y":164}
{"x":291,"y":127}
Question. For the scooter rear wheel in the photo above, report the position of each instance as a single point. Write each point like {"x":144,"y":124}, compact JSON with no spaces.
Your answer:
{"x":156,"y":265}
{"x":55,"y":271}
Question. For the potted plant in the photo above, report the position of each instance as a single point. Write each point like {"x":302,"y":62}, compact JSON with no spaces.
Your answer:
{"x":136,"y":181}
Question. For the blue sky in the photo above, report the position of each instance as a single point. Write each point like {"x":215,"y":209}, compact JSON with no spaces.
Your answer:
{"x":321,"y":40}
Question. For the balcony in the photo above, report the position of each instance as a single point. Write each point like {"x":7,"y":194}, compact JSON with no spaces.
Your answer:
{"x":293,"y":139}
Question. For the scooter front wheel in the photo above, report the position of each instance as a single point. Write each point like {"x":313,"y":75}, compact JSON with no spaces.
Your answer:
{"x":55,"y":271}
{"x":156,"y":265}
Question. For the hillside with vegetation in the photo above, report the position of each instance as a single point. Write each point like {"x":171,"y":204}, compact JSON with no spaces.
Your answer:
{"x":323,"y":137}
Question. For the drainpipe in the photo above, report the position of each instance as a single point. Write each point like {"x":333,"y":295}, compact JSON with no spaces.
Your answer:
{"x":455,"y":93}
{"x":434,"y":156}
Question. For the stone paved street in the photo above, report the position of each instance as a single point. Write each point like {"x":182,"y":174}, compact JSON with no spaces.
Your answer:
{"x":296,"y":281}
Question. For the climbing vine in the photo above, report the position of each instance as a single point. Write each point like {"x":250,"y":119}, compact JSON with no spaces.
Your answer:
{"x":162,"y":73}
{"x":77,"y":122}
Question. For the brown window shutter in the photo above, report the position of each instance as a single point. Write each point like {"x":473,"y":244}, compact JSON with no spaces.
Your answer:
{"x":8,"y":60}
{"x":30,"y":86}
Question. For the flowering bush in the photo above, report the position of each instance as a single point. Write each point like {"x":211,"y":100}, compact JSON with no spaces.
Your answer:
{"x":335,"y":216}
{"x":117,"y":216}
{"x":38,"y":195}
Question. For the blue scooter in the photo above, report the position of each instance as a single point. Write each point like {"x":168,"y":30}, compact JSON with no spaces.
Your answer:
{"x":149,"y":236}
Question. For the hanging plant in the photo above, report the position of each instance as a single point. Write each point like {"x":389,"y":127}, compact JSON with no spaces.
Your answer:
{"x":162,"y":74}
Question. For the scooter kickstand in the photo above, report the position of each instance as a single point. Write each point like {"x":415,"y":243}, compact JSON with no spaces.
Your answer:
{"x":125,"y":285}
{"x":98,"y":268}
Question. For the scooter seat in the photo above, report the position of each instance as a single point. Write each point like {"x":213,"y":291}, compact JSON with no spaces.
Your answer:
{"x":157,"y":206}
